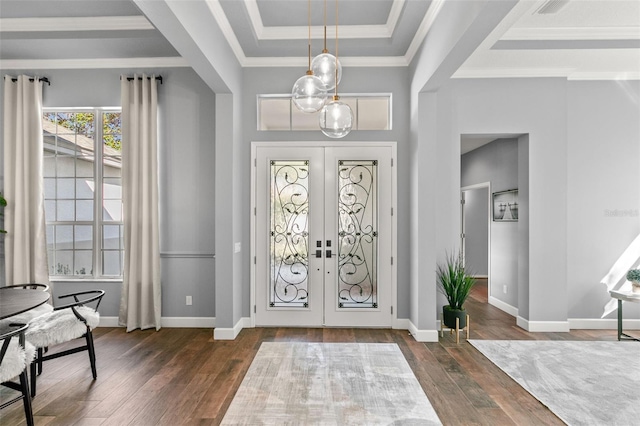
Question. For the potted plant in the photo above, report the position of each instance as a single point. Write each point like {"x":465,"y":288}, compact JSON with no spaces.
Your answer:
{"x":634,"y":276}
{"x":3,"y":203}
{"x":455,"y":283}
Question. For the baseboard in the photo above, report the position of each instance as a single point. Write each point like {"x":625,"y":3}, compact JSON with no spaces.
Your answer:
{"x":169,"y":322}
{"x":401,"y":324}
{"x":220,"y":333}
{"x":602,"y":324}
{"x":543,"y":326}
{"x":422,"y":335}
{"x":511,"y":310}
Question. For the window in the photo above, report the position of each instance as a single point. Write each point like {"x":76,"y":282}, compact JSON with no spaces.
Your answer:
{"x":83,"y":193}
{"x":277,"y":112}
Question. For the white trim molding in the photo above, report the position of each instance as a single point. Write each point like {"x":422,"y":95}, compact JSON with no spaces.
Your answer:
{"x":423,"y":335}
{"x":231,"y":333}
{"x":69,"y":64}
{"x":82,"y":23}
{"x":505,"y":307}
{"x":572,"y":33}
{"x":602,"y":324}
{"x":543,"y":326}
{"x":169,"y":322}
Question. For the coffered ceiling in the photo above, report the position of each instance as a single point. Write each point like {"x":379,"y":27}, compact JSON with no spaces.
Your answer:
{"x":577,"y":39}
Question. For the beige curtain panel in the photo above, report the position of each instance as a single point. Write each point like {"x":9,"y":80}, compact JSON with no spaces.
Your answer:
{"x":24,"y":220}
{"x":140,"y":304}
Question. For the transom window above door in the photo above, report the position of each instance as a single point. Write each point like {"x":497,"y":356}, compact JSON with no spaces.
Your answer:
{"x":277,"y":113}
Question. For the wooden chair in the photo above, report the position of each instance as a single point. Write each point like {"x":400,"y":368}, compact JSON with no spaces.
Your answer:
{"x":15,"y":356}
{"x":65,"y":323}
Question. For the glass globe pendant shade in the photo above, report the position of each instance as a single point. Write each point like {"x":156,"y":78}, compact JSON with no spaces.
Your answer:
{"x":309,"y":93}
{"x":324,"y":67}
{"x":336,"y":119}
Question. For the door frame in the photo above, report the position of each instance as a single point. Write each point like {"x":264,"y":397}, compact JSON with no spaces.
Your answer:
{"x":489,"y":216}
{"x":325,"y":144}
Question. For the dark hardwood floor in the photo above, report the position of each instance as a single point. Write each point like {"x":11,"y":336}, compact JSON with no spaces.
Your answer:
{"x":182,"y":376}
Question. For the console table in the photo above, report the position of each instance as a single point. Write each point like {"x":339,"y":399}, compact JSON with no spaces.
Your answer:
{"x":625,"y":296}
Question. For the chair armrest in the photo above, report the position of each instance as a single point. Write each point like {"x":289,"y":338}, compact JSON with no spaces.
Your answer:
{"x":97,"y":296}
{"x":33,"y":286}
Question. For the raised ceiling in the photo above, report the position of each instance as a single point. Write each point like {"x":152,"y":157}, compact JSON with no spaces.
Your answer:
{"x":576,"y":39}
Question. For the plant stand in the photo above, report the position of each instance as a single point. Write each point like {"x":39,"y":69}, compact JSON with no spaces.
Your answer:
{"x":457,"y":329}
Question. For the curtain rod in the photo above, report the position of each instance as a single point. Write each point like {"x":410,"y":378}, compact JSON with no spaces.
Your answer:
{"x":43,"y":79}
{"x":140,"y":78}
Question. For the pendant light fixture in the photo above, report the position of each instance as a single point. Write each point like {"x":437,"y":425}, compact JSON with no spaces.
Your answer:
{"x":309,"y":93}
{"x":325,"y":66}
{"x":336,"y":118}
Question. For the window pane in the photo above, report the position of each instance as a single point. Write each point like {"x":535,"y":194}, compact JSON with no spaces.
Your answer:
{"x":304,"y":121}
{"x":49,"y":165}
{"x":65,"y":210}
{"x":112,"y":167}
{"x":111,"y":237}
{"x":65,"y":166}
{"x":63,"y":237}
{"x":64,"y":262}
{"x":49,"y":188}
{"x":84,"y":189}
{"x":50,"y":238}
{"x":84,"y":210}
{"x":112,"y":188}
{"x":373,"y":114}
{"x":84,"y":165}
{"x":52,"y":259}
{"x":50,"y":210}
{"x":112,"y":262}
{"x":83,"y":262}
{"x":83,"y":237}
{"x":112,"y":210}
{"x":65,"y":188}
{"x":274,"y":114}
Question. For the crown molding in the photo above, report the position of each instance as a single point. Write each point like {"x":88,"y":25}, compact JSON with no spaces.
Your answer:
{"x":317,"y":32}
{"x":346,"y":61}
{"x":568,"y":73}
{"x":425,"y":26}
{"x":573,"y":33}
{"x":511,"y":72}
{"x":50,"y":64}
{"x":89,"y":23}
{"x":610,"y":75}
{"x":227,"y":30}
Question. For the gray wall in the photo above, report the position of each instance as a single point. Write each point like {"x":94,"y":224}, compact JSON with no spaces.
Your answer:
{"x":497,"y":163}
{"x":186,"y":138}
{"x":582,"y":147}
{"x":354,"y":80}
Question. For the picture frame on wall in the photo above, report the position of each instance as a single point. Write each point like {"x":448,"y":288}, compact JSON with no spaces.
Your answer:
{"x":505,"y":206}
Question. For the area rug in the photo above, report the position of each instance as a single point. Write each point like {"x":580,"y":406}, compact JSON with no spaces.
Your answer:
{"x":583,"y":383}
{"x":292,"y":383}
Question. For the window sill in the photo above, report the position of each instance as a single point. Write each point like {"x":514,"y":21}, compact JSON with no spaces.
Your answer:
{"x":84,"y":280}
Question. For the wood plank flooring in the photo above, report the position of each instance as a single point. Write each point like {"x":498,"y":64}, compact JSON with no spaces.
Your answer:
{"x":182,"y":376}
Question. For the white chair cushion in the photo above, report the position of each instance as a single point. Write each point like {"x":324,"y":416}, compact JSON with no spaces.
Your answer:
{"x":25,"y":317}
{"x":60,"y":326}
{"x":16,"y":359}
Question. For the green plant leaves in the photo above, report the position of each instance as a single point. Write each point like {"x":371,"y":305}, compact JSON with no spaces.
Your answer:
{"x":454,"y":281}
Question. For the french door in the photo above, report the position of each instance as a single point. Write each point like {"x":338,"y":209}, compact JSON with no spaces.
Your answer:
{"x":323,"y":236}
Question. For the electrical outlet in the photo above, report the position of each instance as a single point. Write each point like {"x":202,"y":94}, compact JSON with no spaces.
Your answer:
{"x":504,"y":289}
{"x":189,"y":301}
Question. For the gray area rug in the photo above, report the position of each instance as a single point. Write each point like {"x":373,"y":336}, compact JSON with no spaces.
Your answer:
{"x":293,"y":383}
{"x":583,"y":383}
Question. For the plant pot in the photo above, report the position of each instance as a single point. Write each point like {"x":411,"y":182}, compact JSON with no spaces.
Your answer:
{"x":635,"y":286}
{"x":449,"y":317}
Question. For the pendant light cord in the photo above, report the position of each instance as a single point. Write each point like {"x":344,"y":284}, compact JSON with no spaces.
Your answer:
{"x":309,"y":22}
{"x":325,"y":28}
{"x":336,"y":73}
